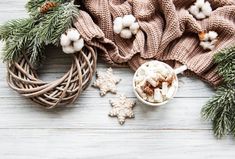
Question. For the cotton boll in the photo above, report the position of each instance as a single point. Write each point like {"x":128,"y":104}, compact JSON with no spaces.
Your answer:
{"x":118,"y":20}
{"x":200,"y":15}
{"x":199,"y":3}
{"x":64,"y":40}
{"x":134,"y":28}
{"x":212,"y":35}
{"x":128,"y":20}
{"x":211,"y":47}
{"x":206,"y":45}
{"x":117,"y":28}
{"x":73,"y":34}
{"x":194,"y":10}
{"x":201,"y":9}
{"x":78,"y":45}
{"x":68,"y":49}
{"x":214,"y":41}
{"x":126,"y":34}
{"x":206,"y":37}
{"x":206,"y":9}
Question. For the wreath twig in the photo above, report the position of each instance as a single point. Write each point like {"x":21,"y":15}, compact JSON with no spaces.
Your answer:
{"x":65,"y":90}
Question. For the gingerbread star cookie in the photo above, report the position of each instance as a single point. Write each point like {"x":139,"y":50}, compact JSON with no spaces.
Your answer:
{"x":122,"y":109}
{"x":106,"y":82}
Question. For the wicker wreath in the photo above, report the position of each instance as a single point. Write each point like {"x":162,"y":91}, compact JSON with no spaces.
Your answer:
{"x":23,"y":79}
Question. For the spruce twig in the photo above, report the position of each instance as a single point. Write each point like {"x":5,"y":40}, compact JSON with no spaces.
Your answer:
{"x":221,"y":108}
{"x":31,"y":35}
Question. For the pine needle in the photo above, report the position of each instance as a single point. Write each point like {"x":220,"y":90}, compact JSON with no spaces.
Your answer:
{"x":221,"y":108}
{"x":31,"y":35}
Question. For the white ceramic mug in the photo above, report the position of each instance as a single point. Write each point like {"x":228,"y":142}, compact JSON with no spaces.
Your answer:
{"x":175,"y":71}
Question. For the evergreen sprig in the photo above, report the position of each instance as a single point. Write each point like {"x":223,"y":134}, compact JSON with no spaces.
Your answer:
{"x":226,"y":61}
{"x":33,"y":6}
{"x":31,"y":35}
{"x":221,"y":108}
{"x":16,"y":34}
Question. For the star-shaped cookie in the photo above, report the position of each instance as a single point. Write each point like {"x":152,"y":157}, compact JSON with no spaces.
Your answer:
{"x":106,"y":82}
{"x":122,"y":109}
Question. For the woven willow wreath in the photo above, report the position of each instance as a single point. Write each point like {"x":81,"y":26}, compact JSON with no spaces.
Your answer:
{"x":50,"y":22}
{"x":23,"y":78}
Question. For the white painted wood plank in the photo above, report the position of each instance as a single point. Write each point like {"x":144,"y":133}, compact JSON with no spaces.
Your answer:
{"x":84,"y":130}
{"x":87,"y":113}
{"x":115,"y":144}
{"x":12,"y":9}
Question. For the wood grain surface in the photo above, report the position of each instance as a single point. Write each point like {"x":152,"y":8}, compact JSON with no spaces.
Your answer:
{"x":84,"y":130}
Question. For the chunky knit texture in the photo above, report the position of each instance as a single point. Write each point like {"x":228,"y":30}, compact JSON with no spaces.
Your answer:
{"x":168,"y":32}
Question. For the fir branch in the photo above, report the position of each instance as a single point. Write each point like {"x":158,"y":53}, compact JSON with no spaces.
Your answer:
{"x":33,"y":6}
{"x":226,"y":64}
{"x":56,"y":22}
{"x":29,"y":36}
{"x":15,"y":28}
{"x":221,"y":108}
{"x":15,"y":33}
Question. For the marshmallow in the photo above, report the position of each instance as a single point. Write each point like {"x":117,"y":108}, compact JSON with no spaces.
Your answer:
{"x":158,"y":96}
{"x":141,"y":93}
{"x":151,"y":81}
{"x":151,"y":99}
{"x":164,"y":88}
{"x":170,"y":92}
{"x":148,"y":78}
{"x":138,"y":79}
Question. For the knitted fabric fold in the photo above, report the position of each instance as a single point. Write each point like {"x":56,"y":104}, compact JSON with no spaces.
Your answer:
{"x":187,"y":50}
{"x":168,"y":32}
{"x":95,"y":37}
{"x":147,"y":40}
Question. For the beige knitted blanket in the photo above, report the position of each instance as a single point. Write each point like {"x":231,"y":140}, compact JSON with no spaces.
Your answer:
{"x":168,"y":32}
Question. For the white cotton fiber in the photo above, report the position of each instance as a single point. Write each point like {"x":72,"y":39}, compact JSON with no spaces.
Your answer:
{"x":117,"y":28}
{"x":201,"y":9}
{"x":64,"y":40}
{"x":206,"y":9}
{"x":68,"y":49}
{"x":128,"y":20}
{"x":134,"y":28}
{"x":78,"y":45}
{"x":199,"y":3}
{"x":73,"y":34}
{"x":118,"y":20}
{"x":126,"y":34}
{"x":212,"y":35}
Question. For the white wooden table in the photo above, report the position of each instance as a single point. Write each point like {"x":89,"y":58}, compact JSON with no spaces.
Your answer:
{"x":84,"y":130}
